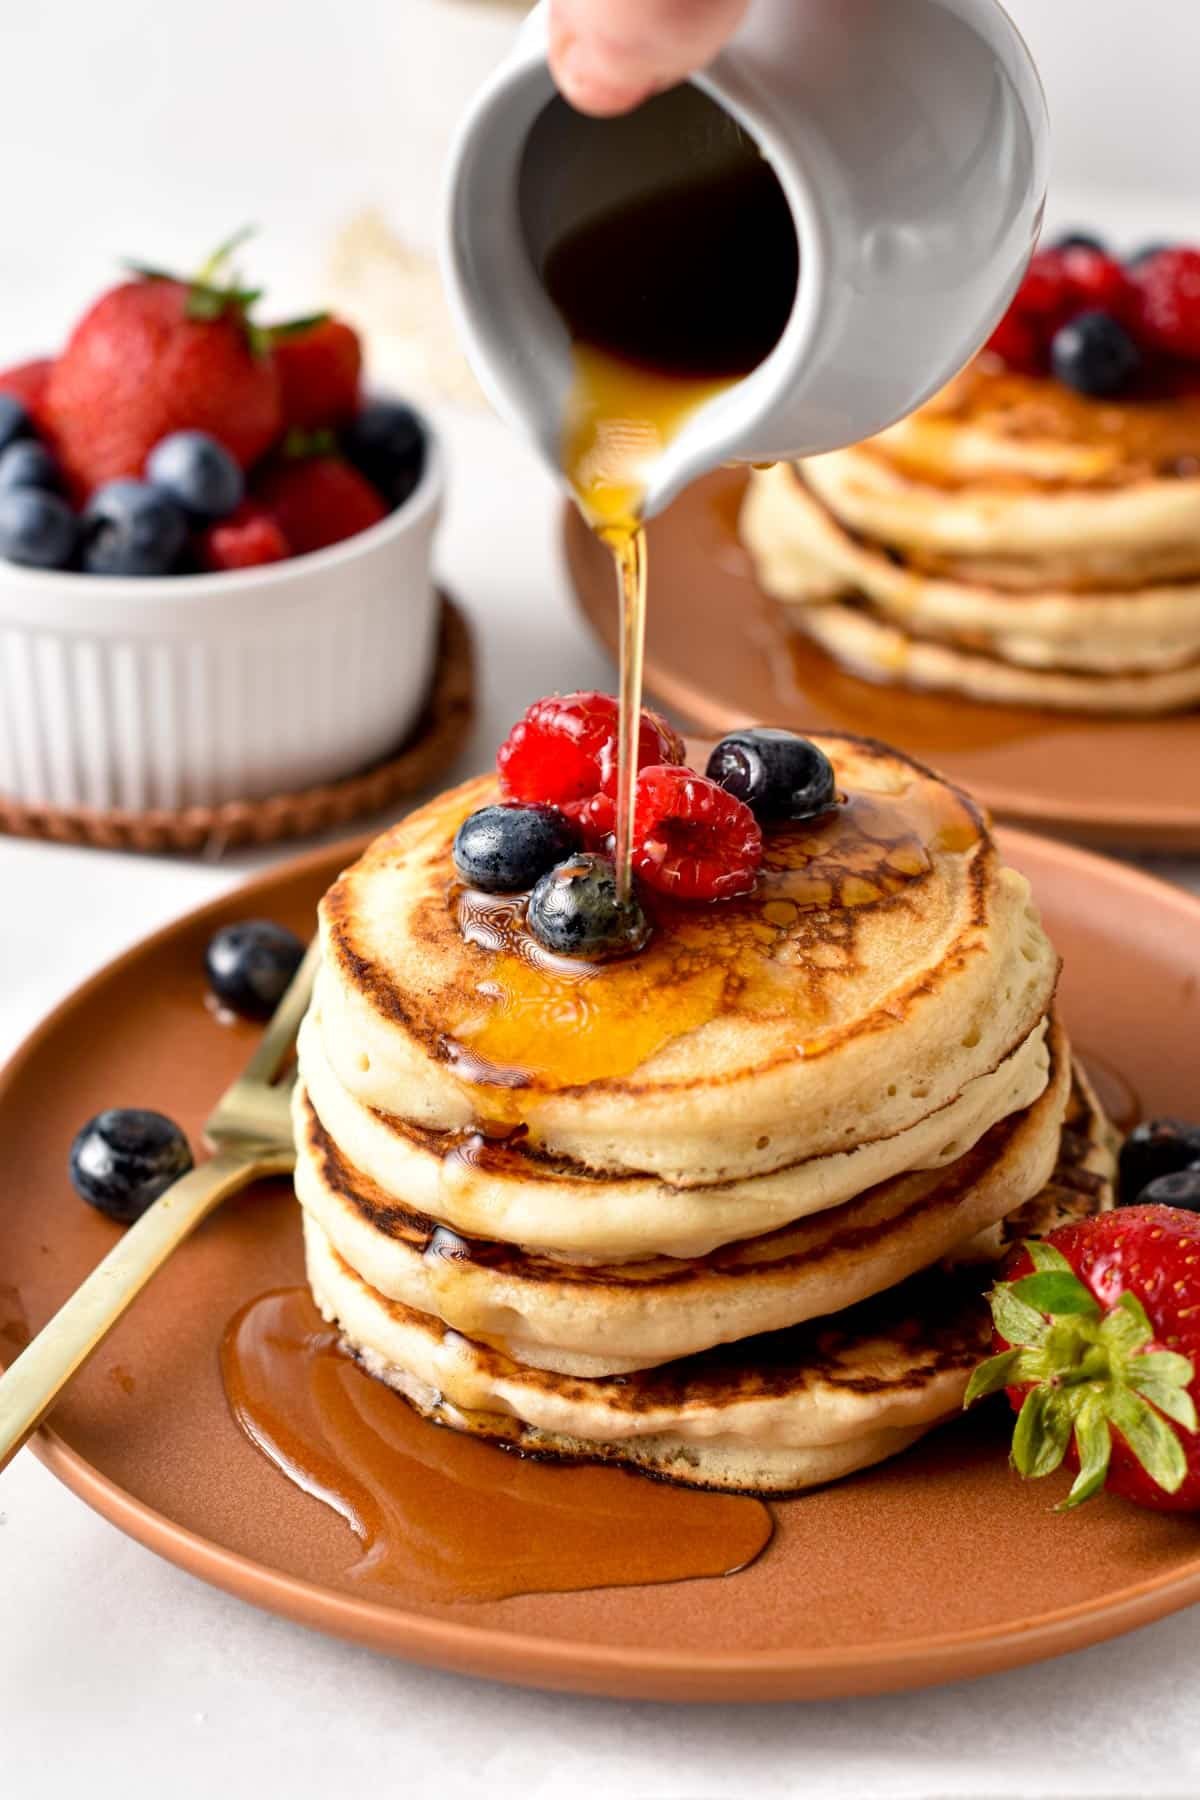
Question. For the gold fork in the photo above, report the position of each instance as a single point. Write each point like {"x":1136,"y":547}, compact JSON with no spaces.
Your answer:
{"x":250,"y":1133}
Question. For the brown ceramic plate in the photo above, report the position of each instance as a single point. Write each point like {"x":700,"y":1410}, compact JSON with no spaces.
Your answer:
{"x":939,"y":1565}
{"x":721,"y":653}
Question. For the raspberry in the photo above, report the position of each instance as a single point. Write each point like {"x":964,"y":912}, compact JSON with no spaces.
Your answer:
{"x":1017,"y":341}
{"x":596,"y":819}
{"x":1096,"y":282}
{"x":1168,"y":303}
{"x":1046,"y":290}
{"x":691,"y":839}
{"x":564,"y":750}
{"x":247,"y":539}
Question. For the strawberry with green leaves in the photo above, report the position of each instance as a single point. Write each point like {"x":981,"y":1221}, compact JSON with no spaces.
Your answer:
{"x":158,"y":355}
{"x":1097,"y":1338}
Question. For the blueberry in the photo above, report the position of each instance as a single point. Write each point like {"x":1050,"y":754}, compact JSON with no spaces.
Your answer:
{"x":506,"y":849}
{"x":574,"y":910}
{"x":386,"y":443}
{"x":125,"y":1158}
{"x":1145,"y":253}
{"x":28,"y":464}
{"x":1181,"y":1189}
{"x":250,"y":965}
{"x":1095,"y":355}
{"x":1155,"y":1148}
{"x":776,"y":773}
{"x":1080,"y":240}
{"x":198,"y":473}
{"x":36,"y":528}
{"x":130,"y":528}
{"x":14,"y":421}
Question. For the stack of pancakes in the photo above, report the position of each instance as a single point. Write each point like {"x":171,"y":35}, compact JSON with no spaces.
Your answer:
{"x":1012,"y":541}
{"x":718,"y":1210}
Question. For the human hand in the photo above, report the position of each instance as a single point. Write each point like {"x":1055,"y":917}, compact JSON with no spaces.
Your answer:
{"x":609,"y":55}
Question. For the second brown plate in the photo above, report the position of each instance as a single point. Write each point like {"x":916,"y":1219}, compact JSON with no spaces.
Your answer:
{"x":721,"y":653}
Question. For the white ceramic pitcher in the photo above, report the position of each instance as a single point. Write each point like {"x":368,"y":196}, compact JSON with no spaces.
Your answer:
{"x":910,"y":140}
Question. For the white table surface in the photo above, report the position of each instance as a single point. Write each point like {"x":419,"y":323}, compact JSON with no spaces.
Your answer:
{"x":119,"y":1675}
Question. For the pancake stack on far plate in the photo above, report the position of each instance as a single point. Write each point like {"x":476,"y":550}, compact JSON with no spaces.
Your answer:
{"x":1013,"y":541}
{"x":722,"y":1210}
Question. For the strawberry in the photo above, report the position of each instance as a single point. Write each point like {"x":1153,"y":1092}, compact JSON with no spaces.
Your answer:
{"x":157,"y":355}
{"x":317,"y":500}
{"x":1097,"y":1338}
{"x":247,"y":539}
{"x":319,"y":362}
{"x":27,"y":382}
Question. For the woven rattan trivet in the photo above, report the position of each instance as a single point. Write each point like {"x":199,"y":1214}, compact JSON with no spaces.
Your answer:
{"x":210,"y":829}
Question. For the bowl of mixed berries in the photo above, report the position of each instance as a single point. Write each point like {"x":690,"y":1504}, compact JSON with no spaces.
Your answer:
{"x":215,"y":554}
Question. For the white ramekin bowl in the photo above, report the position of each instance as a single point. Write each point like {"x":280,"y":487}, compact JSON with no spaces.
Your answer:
{"x":192,"y":690}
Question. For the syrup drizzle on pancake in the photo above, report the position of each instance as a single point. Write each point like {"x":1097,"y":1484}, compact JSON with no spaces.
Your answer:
{"x":572,"y":1023}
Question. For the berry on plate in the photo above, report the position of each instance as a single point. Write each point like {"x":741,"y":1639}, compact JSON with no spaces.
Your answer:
{"x":1094,"y":354}
{"x":15,"y":421}
{"x":250,"y":965}
{"x":318,"y":500}
{"x":575,"y":911}
{"x":319,"y":362}
{"x":36,"y":528}
{"x":131,"y":528}
{"x":1156,"y":1147}
{"x":1168,"y":302}
{"x":198,"y":473}
{"x":248,"y":539}
{"x":564,"y":749}
{"x":507,"y":849}
{"x":28,"y":464}
{"x":386,"y":443}
{"x":1181,"y":1190}
{"x":158,"y":355}
{"x":27,"y":382}
{"x":1097,"y":1334}
{"x":123,"y":1159}
{"x":778,"y":774}
{"x":691,"y":839}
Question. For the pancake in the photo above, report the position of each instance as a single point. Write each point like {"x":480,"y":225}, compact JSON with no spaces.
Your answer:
{"x":887,"y":961}
{"x":597,"y":1319}
{"x":881,"y":651}
{"x":507,"y":1188}
{"x":772,"y":1414}
{"x":805,"y":555}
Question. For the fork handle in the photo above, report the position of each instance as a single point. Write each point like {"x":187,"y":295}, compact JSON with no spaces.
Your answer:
{"x":33,"y":1383}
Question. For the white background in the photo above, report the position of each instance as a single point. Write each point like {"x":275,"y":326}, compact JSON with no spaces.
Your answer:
{"x":153,"y":128}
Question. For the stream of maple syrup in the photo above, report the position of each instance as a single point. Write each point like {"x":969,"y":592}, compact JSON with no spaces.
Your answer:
{"x":440,"y":1517}
{"x":668,"y":302}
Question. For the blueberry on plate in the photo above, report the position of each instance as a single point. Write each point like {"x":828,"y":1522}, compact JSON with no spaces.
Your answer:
{"x":250,"y":965}
{"x":1146,"y":254}
{"x":1181,"y":1190}
{"x":28,"y":464}
{"x":198,"y":473}
{"x":777,"y":774}
{"x":1095,"y":355}
{"x":14,"y":421}
{"x":386,"y":443}
{"x":575,"y":911}
{"x":1153,"y":1149}
{"x":131,"y":528}
{"x":507,"y":849}
{"x":36,"y":528}
{"x":124,"y":1158}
